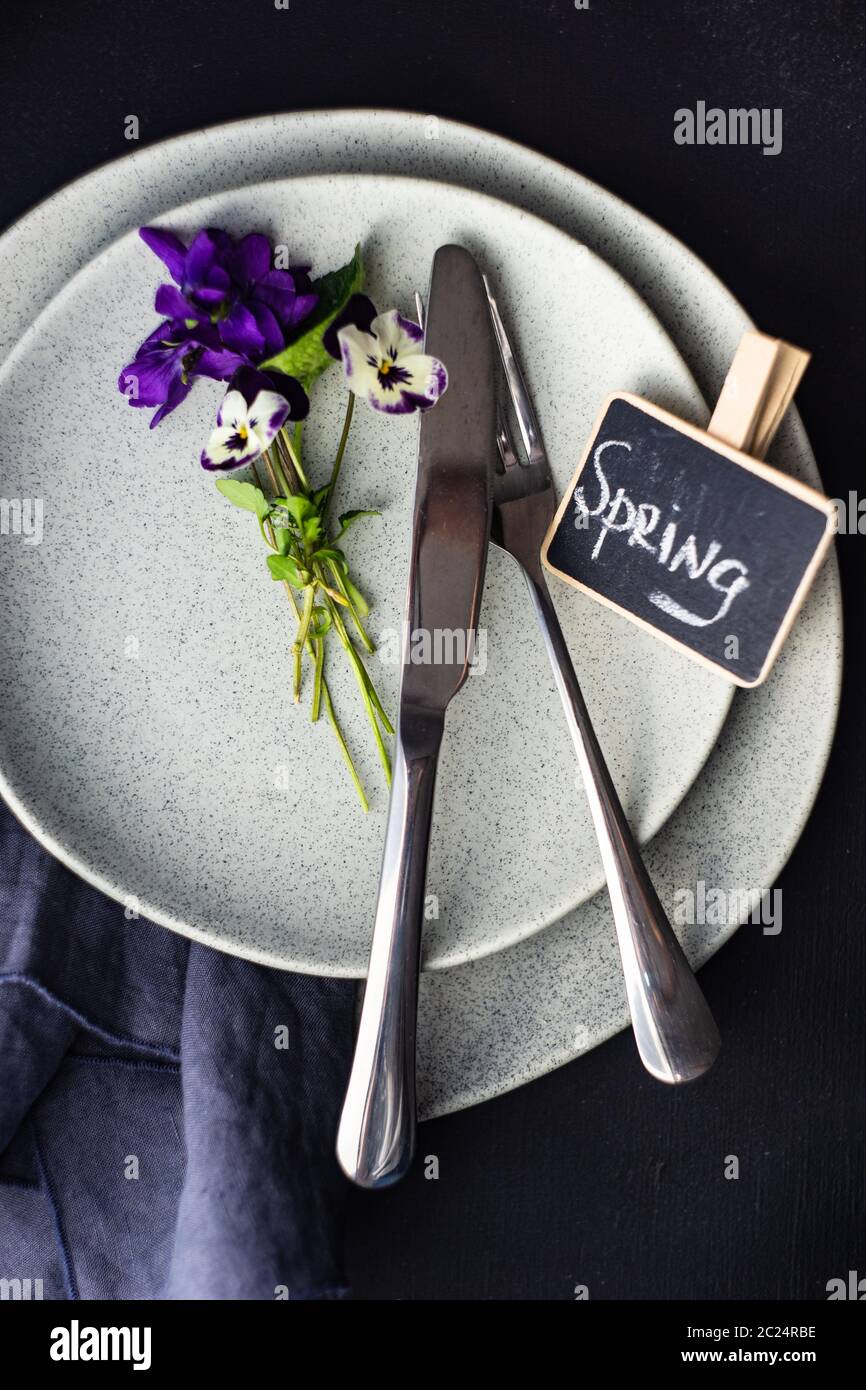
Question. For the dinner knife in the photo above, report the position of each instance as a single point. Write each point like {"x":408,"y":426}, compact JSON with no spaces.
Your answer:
{"x":450,"y":535}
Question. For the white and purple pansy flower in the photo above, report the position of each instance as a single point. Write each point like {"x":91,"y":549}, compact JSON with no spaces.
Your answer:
{"x":383,"y":361}
{"x":252,"y":413}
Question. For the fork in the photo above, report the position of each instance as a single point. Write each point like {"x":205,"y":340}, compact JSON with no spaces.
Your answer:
{"x":675,"y":1032}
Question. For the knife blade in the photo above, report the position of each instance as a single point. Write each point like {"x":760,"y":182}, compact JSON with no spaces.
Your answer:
{"x":450,"y":535}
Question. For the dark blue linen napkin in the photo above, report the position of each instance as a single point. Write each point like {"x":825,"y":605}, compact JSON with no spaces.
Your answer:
{"x":167,"y":1112}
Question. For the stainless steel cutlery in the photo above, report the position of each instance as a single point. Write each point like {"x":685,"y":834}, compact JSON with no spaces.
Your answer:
{"x":675,"y":1032}
{"x":473,"y":486}
{"x":450,"y":538}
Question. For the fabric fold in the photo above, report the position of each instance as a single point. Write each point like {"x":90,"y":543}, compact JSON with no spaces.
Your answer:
{"x":167,"y":1112}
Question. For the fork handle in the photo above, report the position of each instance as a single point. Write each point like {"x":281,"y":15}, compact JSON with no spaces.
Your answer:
{"x":676,"y":1034}
{"x":376,"y":1135}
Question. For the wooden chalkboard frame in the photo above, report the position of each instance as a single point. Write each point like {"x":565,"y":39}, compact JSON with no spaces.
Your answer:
{"x":763,"y":470}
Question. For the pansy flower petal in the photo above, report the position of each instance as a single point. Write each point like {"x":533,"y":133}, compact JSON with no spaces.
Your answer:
{"x":230,"y":446}
{"x":218,"y":278}
{"x":291,"y":388}
{"x":359,"y":312}
{"x":208,"y":296}
{"x":360,"y":354}
{"x":239,"y":331}
{"x":396,"y":334}
{"x":200,"y":257}
{"x":147,"y":379}
{"x":249,"y":381}
{"x":168,"y":247}
{"x":170,"y":302}
{"x":232,"y":410}
{"x":396,"y":403}
{"x":178,"y":391}
{"x":251,"y":259}
{"x":300,"y":307}
{"x":267,"y":414}
{"x":218,"y":363}
{"x":268,"y":326}
{"x":289,"y":297}
{"x":427,"y":376}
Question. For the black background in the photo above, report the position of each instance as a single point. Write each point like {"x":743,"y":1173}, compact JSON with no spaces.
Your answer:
{"x":595,"y":1175}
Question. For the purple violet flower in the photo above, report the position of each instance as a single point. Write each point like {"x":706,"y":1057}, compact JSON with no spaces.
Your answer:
{"x":233,"y":287}
{"x":251,"y":415}
{"x":162,"y":370}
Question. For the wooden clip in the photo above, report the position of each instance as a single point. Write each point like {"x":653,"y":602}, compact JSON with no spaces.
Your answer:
{"x":688,"y":532}
{"x":758,"y":389}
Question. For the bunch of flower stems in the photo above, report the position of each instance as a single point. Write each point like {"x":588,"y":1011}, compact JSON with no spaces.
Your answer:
{"x":328,"y":590}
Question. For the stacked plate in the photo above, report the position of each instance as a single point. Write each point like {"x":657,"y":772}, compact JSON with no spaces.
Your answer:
{"x":146,"y":731}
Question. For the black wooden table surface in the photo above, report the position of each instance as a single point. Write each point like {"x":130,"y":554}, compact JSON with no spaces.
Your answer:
{"x":595,"y":1175}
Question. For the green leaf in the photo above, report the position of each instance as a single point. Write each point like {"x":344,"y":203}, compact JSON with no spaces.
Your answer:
{"x":305,"y":357}
{"x":246,"y":496}
{"x":283,"y":539}
{"x":321,"y":622}
{"x":321,"y":495}
{"x":348,"y":518}
{"x":305,"y":515}
{"x":298,"y":507}
{"x":336,"y":557}
{"x":359,"y":603}
{"x":284,"y":567}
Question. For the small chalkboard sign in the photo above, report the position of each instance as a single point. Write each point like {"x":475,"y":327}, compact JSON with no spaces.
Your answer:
{"x":707,"y":546}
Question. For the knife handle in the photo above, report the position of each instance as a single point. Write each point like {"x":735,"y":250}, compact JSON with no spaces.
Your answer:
{"x":676,"y":1034}
{"x":376,"y":1137}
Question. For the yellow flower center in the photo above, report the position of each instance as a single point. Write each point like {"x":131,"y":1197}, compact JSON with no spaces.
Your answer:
{"x":385,"y":367}
{"x":243,"y":433}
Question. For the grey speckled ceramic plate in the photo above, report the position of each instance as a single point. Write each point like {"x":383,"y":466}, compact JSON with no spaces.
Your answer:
{"x":146,"y":726}
{"x":494,"y":1024}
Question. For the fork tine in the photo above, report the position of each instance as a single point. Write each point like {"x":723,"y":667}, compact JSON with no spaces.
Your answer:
{"x":419,"y":309}
{"x":520,"y":398}
{"x":505,"y":439}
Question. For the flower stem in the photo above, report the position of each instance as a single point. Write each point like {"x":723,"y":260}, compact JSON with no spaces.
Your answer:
{"x":383,"y":718}
{"x":330,"y":713}
{"x":318,"y":667}
{"x":299,"y":429}
{"x":332,"y":720}
{"x":372,"y":703}
{"x":341,"y":449}
{"x":320,"y":686}
{"x":293,"y":457}
{"x":304,"y":629}
{"x":356,"y":617}
{"x":280,"y":480}
{"x":283,"y":463}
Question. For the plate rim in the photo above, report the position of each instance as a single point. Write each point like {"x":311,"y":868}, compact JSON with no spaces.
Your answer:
{"x":568,"y":197}
{"x":447,"y":959}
